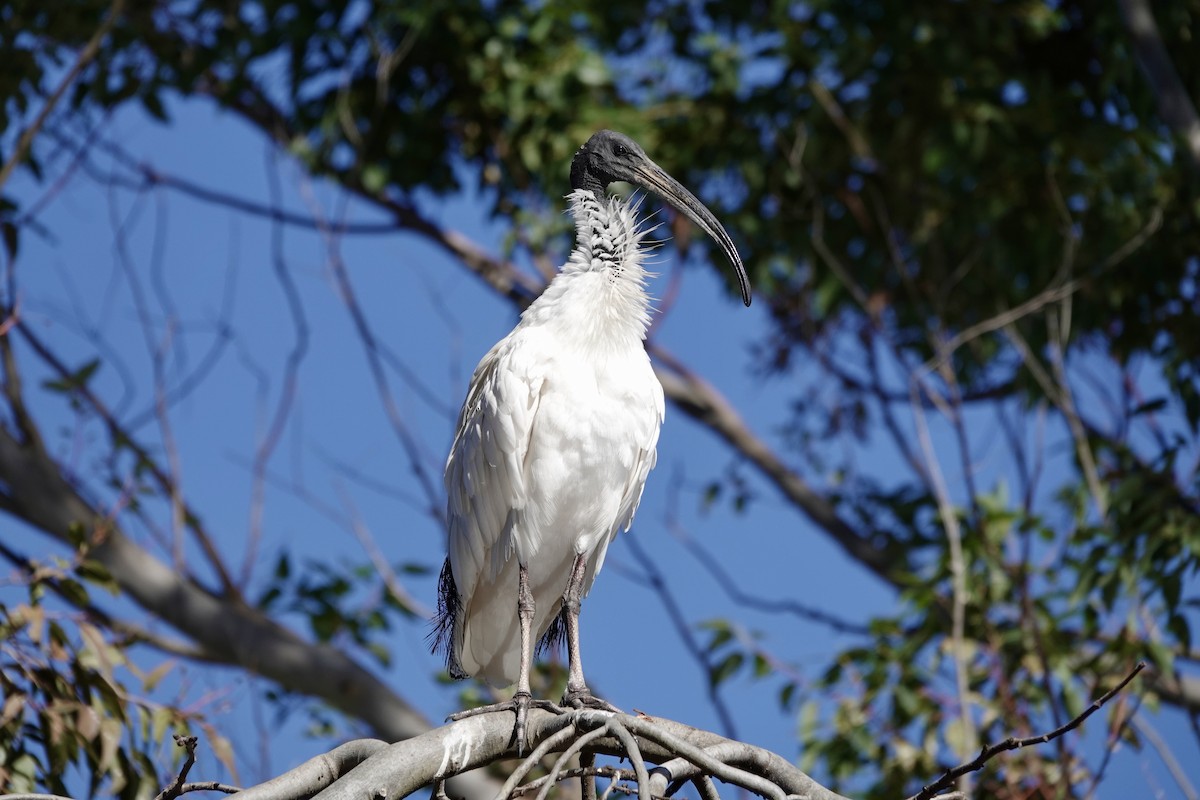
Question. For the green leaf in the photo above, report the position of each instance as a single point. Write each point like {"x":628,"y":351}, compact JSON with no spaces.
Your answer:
{"x":375,"y":178}
{"x":725,"y":669}
{"x":762,"y":667}
{"x":1177,"y":626}
{"x":75,"y":380}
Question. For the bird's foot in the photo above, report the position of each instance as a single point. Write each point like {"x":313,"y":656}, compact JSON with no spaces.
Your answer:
{"x":583,"y":698}
{"x":519,"y":705}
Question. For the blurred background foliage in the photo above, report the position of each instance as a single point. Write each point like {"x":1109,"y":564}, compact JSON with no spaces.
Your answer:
{"x":969,"y":209}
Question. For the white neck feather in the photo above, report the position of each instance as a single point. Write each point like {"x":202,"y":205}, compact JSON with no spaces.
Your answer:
{"x":600,"y":293}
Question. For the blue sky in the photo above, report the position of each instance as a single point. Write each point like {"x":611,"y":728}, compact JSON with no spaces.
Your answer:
{"x":217,"y":269}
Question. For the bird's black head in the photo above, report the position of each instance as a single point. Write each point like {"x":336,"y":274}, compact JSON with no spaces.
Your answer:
{"x":606,"y":157}
{"x":610,"y":156}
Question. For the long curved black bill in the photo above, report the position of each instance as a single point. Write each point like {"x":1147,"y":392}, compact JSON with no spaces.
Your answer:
{"x":655,"y":178}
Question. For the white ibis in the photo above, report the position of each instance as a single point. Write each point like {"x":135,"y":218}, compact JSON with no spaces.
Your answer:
{"x":555,"y":439}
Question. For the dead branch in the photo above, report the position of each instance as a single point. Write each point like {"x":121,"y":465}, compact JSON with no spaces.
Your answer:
{"x":991,"y":751}
{"x":316,"y":773}
{"x":86,"y":56}
{"x":397,"y":770}
{"x":173,"y":789}
{"x":208,"y":786}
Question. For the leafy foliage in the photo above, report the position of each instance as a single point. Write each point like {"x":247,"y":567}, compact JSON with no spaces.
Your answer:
{"x":68,"y":713}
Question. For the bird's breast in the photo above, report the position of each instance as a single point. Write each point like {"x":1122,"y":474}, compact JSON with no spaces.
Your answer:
{"x":592,"y":444}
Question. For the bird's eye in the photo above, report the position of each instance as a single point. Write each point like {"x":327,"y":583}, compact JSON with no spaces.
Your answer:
{"x":620,"y":149}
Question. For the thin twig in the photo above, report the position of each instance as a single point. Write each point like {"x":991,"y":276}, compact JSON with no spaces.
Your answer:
{"x":704,"y":760}
{"x":86,"y":56}
{"x":176,"y":786}
{"x":957,"y":569}
{"x":658,"y":584}
{"x":743,"y":598}
{"x":1168,"y":758}
{"x":548,"y":745}
{"x":271,"y":437}
{"x":585,"y":774}
{"x":991,"y":751}
{"x":146,"y":461}
{"x":370,"y":345}
{"x":566,"y":755}
{"x":635,"y":757}
{"x":208,"y":786}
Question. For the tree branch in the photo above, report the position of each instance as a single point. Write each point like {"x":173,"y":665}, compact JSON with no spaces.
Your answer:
{"x":397,"y":770}
{"x":316,"y":773}
{"x":991,"y":751}
{"x":86,"y":56}
{"x":173,"y":790}
{"x":227,"y":631}
{"x":119,"y":434}
{"x":702,"y":402}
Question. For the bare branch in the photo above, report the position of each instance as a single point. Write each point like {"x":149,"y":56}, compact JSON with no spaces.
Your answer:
{"x":228,"y":631}
{"x":86,"y":56}
{"x":145,"y":460}
{"x":991,"y":751}
{"x":173,"y":790}
{"x":1168,"y":758}
{"x":949,"y":518}
{"x":316,"y":773}
{"x":743,"y":598}
{"x":658,"y":584}
{"x":398,"y":770}
{"x":287,"y":392}
{"x":208,"y":786}
{"x":701,"y":401}
{"x":546,"y":746}
{"x":362,"y":327}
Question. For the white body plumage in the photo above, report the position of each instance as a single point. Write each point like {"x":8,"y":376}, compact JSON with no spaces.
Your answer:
{"x":554,"y":442}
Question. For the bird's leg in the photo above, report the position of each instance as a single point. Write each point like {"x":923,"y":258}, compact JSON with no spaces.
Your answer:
{"x":578,"y":695}
{"x":522,"y":700}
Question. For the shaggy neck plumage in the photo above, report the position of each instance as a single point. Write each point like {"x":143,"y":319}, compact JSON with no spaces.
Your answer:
{"x":601,"y":289}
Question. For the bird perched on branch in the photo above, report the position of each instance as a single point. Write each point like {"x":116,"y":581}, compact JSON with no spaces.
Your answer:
{"x":556,"y":437}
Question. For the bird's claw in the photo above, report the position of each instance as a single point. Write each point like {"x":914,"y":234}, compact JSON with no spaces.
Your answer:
{"x":519,"y":705}
{"x":583,"y":698}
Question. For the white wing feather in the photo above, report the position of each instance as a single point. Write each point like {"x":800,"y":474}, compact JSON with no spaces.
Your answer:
{"x":485,"y":473}
{"x":486,"y":483}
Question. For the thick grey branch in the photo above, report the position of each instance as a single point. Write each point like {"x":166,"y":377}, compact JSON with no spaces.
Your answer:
{"x":228,"y":631}
{"x":398,"y":770}
{"x":316,"y":773}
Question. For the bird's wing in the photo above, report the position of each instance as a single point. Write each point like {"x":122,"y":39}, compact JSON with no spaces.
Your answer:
{"x":644,"y":457}
{"x":486,"y":471}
